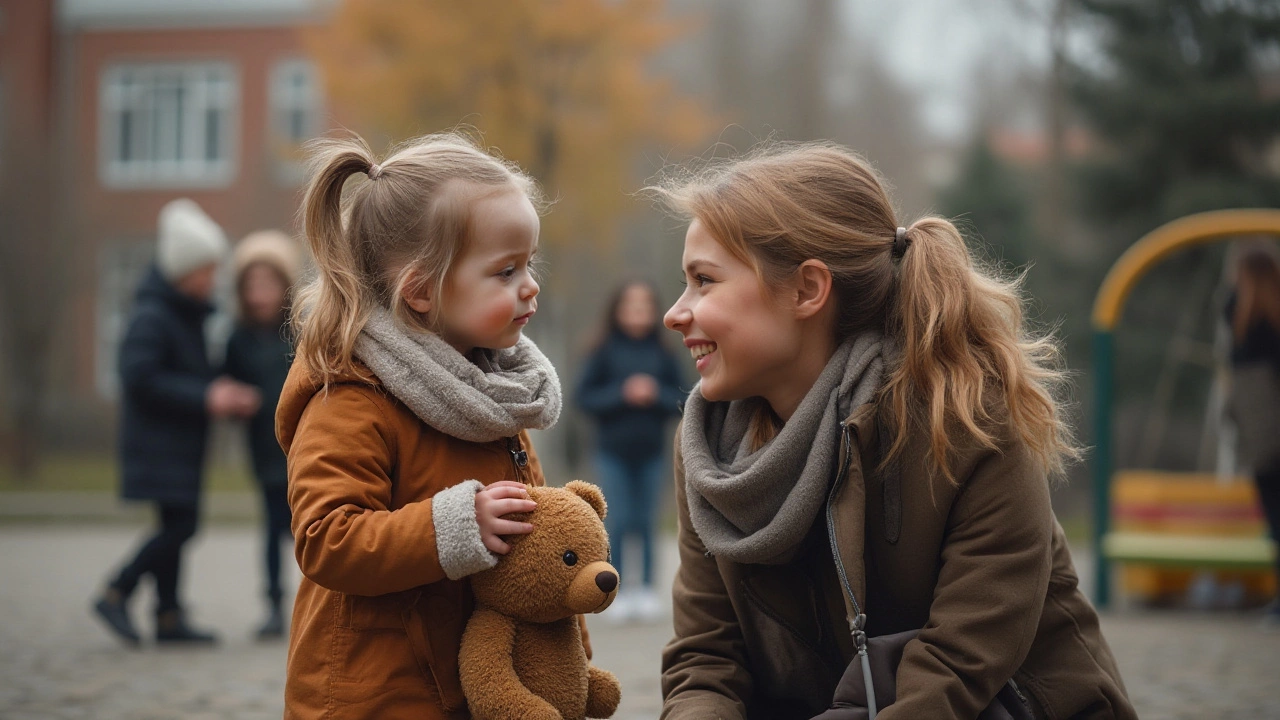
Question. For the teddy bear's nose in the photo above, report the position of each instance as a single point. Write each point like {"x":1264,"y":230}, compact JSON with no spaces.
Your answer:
{"x":606,"y":581}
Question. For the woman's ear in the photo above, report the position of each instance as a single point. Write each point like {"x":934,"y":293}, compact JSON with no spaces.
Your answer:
{"x":813,"y":288}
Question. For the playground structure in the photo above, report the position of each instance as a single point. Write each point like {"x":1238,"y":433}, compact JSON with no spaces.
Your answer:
{"x":1180,"y":521}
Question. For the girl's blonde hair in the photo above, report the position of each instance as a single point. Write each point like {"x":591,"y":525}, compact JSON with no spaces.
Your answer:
{"x":399,"y":231}
{"x":967,"y":361}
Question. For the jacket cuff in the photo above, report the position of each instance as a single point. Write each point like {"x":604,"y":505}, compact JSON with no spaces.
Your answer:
{"x":453,"y":512}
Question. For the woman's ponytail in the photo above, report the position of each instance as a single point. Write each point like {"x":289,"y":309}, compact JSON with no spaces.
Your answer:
{"x":333,"y":308}
{"x":968,"y":363}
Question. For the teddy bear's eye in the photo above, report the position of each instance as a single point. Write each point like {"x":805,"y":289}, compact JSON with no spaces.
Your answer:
{"x":570,"y":558}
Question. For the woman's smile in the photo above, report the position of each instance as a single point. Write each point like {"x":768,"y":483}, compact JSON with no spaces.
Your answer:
{"x":701,"y":351}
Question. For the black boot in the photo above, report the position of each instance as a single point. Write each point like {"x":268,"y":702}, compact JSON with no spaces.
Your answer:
{"x":110,"y":607}
{"x":274,"y":627}
{"x":172,"y":627}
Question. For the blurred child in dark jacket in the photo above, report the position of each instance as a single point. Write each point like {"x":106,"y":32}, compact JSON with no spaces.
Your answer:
{"x":631,"y":386}
{"x":259,"y":353}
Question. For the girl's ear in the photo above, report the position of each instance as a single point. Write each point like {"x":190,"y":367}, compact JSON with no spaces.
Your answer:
{"x":812,"y":289}
{"x":417,"y":294}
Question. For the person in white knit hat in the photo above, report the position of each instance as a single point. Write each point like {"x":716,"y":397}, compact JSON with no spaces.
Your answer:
{"x":170,"y":391}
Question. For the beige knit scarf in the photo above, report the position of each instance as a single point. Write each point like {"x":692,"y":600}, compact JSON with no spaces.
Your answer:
{"x":494,"y":395}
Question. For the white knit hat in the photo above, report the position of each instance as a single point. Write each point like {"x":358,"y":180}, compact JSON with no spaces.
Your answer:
{"x":189,"y":239}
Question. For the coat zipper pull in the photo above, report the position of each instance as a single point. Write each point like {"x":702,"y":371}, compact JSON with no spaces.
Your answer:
{"x":518,"y":454}
{"x":857,"y":628}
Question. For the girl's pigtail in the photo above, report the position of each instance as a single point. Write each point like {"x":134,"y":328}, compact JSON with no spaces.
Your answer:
{"x":965,"y":351}
{"x":331,"y":309}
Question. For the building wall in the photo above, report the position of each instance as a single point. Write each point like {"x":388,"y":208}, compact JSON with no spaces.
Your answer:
{"x":114,"y":226}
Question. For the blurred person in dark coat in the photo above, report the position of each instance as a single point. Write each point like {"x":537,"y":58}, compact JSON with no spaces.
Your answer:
{"x":631,"y":387}
{"x":259,"y":353}
{"x":169,"y":393}
{"x":1253,"y":314}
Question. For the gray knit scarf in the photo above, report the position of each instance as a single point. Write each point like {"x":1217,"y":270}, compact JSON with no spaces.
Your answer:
{"x":757,"y":507}
{"x":499,"y":394}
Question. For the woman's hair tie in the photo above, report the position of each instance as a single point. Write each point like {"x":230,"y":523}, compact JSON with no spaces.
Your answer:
{"x":374,"y":171}
{"x":900,"y":243}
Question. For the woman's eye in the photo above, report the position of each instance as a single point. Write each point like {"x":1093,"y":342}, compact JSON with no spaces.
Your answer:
{"x":570,"y":558}
{"x":701,"y":280}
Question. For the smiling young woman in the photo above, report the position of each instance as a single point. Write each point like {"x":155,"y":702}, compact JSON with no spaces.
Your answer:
{"x":870,"y":446}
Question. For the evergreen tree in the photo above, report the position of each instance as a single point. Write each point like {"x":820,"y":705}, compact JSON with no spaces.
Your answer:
{"x":989,"y":201}
{"x":1187,"y":106}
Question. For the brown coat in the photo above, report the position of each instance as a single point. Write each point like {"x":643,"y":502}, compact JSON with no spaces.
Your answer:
{"x":983,"y":569}
{"x":376,"y":624}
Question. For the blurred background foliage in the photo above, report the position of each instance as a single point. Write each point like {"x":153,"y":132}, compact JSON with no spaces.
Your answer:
{"x":1056,"y":131}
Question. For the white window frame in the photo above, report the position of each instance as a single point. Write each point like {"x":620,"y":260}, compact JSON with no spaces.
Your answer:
{"x":290,"y":100}
{"x":286,"y":102}
{"x":171,"y":153}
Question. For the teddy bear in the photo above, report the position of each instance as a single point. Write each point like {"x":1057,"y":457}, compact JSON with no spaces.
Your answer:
{"x":522,"y":656}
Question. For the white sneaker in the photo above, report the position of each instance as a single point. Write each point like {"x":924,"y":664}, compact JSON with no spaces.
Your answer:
{"x":647,"y":605}
{"x":623,"y":609}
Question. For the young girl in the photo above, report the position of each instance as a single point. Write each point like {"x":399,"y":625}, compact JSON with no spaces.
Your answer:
{"x":258,"y":353}
{"x":865,"y":389}
{"x":404,"y":418}
{"x":631,"y":386}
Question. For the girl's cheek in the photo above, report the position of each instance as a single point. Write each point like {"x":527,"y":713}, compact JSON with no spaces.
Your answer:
{"x":499,"y":315}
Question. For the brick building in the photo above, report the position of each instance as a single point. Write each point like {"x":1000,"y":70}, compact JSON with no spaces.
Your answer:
{"x":158,"y":99}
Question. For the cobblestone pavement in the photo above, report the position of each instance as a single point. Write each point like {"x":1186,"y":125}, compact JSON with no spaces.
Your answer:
{"x":57,"y":662}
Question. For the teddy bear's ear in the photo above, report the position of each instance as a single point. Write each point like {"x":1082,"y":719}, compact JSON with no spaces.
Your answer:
{"x":590,"y":493}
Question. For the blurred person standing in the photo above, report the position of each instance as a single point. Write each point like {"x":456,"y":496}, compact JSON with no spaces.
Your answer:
{"x":631,"y":386}
{"x":259,"y":354}
{"x":169,"y":393}
{"x":1253,"y":314}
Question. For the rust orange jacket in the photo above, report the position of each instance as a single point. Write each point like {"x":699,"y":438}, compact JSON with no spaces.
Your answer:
{"x":378,"y":619}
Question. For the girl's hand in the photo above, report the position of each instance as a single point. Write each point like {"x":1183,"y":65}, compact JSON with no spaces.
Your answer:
{"x":496,"y":500}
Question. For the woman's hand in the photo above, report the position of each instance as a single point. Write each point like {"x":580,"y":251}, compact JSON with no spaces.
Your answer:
{"x":640,"y":390}
{"x":496,"y":500}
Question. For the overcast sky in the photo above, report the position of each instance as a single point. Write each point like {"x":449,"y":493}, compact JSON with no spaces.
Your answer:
{"x":936,"y":47}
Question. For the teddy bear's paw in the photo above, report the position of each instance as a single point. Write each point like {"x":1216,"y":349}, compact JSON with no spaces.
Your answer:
{"x":604,"y":692}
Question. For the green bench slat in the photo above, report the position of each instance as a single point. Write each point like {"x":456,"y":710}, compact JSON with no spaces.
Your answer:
{"x":1190,"y":550}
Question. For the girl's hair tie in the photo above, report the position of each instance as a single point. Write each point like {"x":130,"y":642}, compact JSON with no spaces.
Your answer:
{"x":374,"y":171}
{"x":900,"y":243}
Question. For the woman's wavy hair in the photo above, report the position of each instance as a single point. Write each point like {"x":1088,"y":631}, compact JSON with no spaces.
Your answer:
{"x":393,"y":233}
{"x":966,"y":364}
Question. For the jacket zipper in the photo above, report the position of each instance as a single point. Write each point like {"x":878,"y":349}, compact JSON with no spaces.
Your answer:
{"x":857,"y":623}
{"x":519,"y":457}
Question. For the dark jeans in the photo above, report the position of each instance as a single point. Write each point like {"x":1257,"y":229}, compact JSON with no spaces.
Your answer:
{"x":279,"y":536}
{"x":161,"y":556}
{"x":631,"y":491}
{"x":1268,"y":482}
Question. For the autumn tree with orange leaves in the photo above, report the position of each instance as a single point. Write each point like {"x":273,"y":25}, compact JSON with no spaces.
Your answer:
{"x":562,"y":87}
